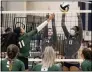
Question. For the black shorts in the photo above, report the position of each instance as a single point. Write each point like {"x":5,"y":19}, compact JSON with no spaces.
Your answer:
{"x":25,"y":61}
{"x":69,"y":65}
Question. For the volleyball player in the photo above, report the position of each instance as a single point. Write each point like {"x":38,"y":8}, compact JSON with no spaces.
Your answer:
{"x":12,"y":63}
{"x":7,"y":38}
{"x":24,"y":40}
{"x":87,"y":57}
{"x":49,"y":36}
{"x":48,"y":61}
{"x":72,"y":44}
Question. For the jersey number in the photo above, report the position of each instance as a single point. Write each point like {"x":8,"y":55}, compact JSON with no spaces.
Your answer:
{"x":21,"y":43}
{"x":70,"y":42}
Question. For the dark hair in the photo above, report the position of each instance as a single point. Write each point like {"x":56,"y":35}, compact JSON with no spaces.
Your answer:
{"x":77,"y":28}
{"x":83,"y":40}
{"x":8,"y":29}
{"x":7,"y":39}
{"x":87,"y":53}
{"x":49,"y":28}
{"x":17,"y":31}
{"x":12,"y":51}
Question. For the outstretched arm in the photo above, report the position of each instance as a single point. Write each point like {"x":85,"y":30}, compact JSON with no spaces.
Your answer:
{"x":54,"y":30}
{"x":41,"y":26}
{"x":45,"y":30}
{"x":80,"y":27}
{"x":63,"y":26}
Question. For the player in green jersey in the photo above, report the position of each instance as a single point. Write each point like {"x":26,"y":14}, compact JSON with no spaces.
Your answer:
{"x":48,"y":61}
{"x":87,"y":56}
{"x":11,"y":63}
{"x":24,"y":39}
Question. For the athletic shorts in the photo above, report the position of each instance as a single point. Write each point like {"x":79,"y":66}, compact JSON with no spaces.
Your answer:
{"x":69,"y":65}
{"x":25,"y":61}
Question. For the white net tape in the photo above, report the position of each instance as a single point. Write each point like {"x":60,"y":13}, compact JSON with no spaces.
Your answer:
{"x":57,"y":60}
{"x":27,"y":12}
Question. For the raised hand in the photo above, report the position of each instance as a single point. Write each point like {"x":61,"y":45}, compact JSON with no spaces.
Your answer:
{"x":51,"y":17}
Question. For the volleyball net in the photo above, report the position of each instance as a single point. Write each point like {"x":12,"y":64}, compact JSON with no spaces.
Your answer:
{"x":29,"y":20}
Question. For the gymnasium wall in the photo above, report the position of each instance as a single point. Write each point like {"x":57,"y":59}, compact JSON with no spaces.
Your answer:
{"x":13,"y":6}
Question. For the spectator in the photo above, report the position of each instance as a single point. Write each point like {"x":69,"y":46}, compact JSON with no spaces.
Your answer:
{"x":48,"y":61}
{"x":87,"y":56}
{"x":8,"y":30}
{"x":11,"y":63}
{"x":7,"y":38}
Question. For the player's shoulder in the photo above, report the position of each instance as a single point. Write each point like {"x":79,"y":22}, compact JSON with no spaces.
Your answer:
{"x":3,"y":60}
{"x":37,"y":67}
{"x":18,"y":61}
{"x":57,"y":67}
{"x":22,"y":37}
{"x":86,"y":62}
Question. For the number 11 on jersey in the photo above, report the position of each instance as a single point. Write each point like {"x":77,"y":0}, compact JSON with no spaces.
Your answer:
{"x":21,"y":43}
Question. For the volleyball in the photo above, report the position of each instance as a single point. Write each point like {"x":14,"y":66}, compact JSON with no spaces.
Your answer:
{"x":64,"y":7}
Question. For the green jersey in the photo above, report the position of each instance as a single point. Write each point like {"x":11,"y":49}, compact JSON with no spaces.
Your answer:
{"x":24,"y":42}
{"x":16,"y":65}
{"x":86,"y":65}
{"x":53,"y":68}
